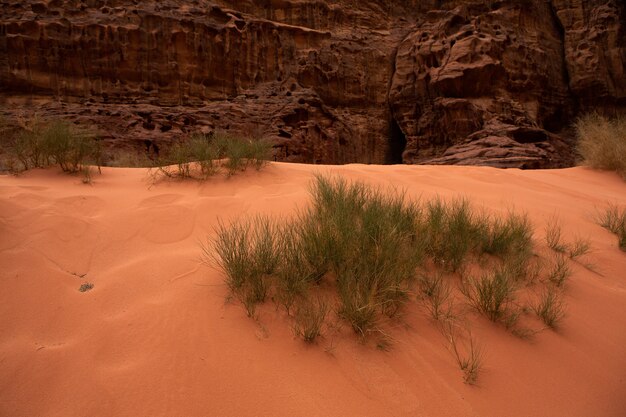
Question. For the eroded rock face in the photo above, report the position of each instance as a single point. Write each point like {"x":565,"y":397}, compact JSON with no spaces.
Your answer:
{"x":336,"y":81}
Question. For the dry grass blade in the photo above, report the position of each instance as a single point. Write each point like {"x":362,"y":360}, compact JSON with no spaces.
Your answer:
{"x":550,"y":308}
{"x":602,"y":142}
{"x":309,"y":318}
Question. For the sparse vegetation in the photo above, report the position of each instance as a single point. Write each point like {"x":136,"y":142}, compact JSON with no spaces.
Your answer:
{"x":579,"y":247}
{"x":371,"y":251}
{"x":309,"y":318}
{"x":492,"y":294}
{"x":85,"y":287}
{"x":602,"y":142}
{"x":550,"y":308}
{"x":553,"y":236}
{"x":614,"y":220}
{"x":436,"y":290}
{"x":248,"y":254}
{"x":559,"y":271}
{"x":202,"y":156}
{"x":469,"y":356}
{"x":40,"y":145}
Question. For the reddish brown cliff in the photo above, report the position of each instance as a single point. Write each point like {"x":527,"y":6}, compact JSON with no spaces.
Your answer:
{"x":478,"y":82}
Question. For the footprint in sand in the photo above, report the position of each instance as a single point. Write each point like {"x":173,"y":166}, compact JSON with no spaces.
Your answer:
{"x":33,"y":187}
{"x":160,"y":200}
{"x":168,"y":224}
{"x":81,"y":205}
{"x":29,"y":200}
{"x":9,"y":240}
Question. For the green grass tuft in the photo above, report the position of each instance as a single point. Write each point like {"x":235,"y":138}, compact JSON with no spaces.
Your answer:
{"x":492,"y":294}
{"x":201,"y":156}
{"x":40,"y":145}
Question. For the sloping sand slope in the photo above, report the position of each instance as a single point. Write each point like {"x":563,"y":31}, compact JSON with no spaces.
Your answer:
{"x":156,"y":336}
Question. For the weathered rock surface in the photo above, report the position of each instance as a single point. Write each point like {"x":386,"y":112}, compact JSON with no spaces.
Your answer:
{"x":335,"y":81}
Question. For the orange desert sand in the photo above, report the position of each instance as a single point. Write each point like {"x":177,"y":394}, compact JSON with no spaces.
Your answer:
{"x":156,"y":335}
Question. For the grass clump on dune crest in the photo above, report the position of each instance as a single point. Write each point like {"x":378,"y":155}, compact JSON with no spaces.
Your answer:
{"x":56,"y":142}
{"x":202,"y":156}
{"x":602,"y":142}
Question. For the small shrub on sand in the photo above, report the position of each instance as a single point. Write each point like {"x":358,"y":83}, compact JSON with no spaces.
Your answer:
{"x":70,"y":149}
{"x":453,"y":232}
{"x":614,"y":220}
{"x":554,"y":238}
{"x":469,"y":356}
{"x":509,"y":236}
{"x":30,"y":148}
{"x":492,"y":294}
{"x":201,"y":156}
{"x":559,"y":271}
{"x":550,"y":308}
{"x":578,"y":248}
{"x":602,"y":142}
{"x":248,"y":253}
{"x":437,"y":292}
{"x":309,"y":318}
{"x":85,"y":287}
{"x":43,"y":144}
{"x":231,"y":252}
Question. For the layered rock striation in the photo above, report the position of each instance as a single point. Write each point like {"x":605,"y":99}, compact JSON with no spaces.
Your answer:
{"x":337,"y":81}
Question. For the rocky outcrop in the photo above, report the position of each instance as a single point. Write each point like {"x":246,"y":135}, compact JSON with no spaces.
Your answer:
{"x":335,"y":81}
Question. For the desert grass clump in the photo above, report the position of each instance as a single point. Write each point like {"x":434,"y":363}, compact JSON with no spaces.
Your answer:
{"x":578,"y":248}
{"x":248,"y":253}
{"x":30,"y":147}
{"x":550,"y":309}
{"x":452,"y":231}
{"x":509,"y":236}
{"x":193,"y":158}
{"x":364,"y":237}
{"x":40,"y":145}
{"x":614,"y":220}
{"x":559,"y":270}
{"x":437,"y":292}
{"x":554,"y":238}
{"x":70,"y":149}
{"x":469,"y":356}
{"x":492,"y":294}
{"x":455,"y":232}
{"x":377,"y":261}
{"x":309,"y":319}
{"x":202,"y":156}
{"x":233,"y":253}
{"x":370,"y":251}
{"x":602,"y":142}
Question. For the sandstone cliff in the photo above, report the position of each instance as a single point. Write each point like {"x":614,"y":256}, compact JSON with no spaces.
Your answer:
{"x":335,"y":81}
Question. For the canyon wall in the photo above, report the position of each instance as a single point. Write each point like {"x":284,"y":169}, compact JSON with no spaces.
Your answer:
{"x":444,"y":82}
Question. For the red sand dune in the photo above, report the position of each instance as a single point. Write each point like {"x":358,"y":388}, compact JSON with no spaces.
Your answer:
{"x":156,"y":336}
